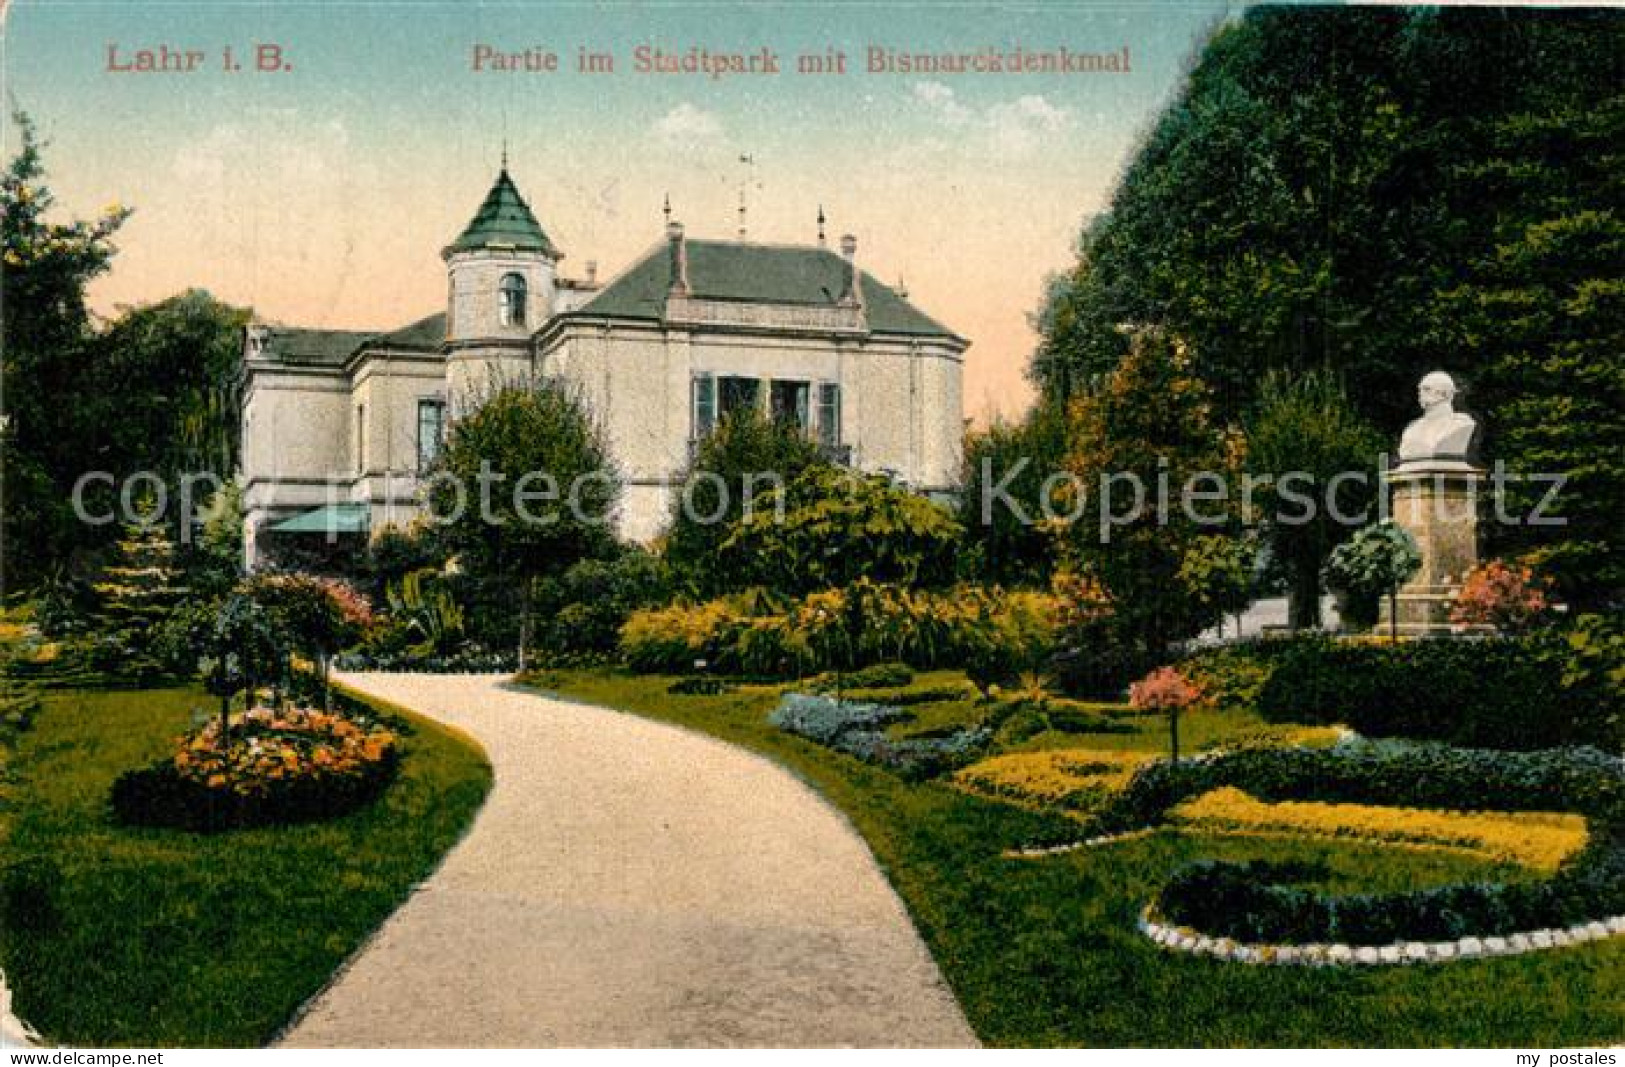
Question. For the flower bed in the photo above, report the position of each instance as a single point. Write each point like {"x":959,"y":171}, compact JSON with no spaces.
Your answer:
{"x":859,"y":730}
{"x":1069,"y":778}
{"x":1533,"y":839}
{"x":272,"y":767}
{"x":1257,"y":903}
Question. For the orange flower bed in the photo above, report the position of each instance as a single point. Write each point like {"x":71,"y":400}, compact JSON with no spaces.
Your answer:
{"x":271,"y":767}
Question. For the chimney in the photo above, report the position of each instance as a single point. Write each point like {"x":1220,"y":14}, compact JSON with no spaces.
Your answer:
{"x":678,"y":259}
{"x":852,"y":289}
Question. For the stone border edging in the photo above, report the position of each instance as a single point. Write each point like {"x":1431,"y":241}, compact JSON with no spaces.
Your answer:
{"x":1182,"y":939}
{"x":1073,"y":846}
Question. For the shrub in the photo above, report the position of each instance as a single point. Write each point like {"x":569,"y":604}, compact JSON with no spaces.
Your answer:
{"x":272,"y":768}
{"x":672,"y":639}
{"x":580,"y":613}
{"x":1514,"y":693}
{"x":699,"y":685}
{"x":1502,"y":595}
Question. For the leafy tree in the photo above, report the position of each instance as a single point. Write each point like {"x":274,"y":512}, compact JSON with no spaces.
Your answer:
{"x":44,"y":335}
{"x":320,"y":616}
{"x":1304,"y":439}
{"x":745,"y":450}
{"x":1386,"y":192}
{"x":831,"y":526}
{"x":1149,"y":424}
{"x":524,"y":489}
{"x":1378,"y":559}
{"x":1005,"y":543}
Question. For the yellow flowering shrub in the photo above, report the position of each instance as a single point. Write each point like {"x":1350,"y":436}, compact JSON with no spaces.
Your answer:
{"x":1538,"y":840}
{"x":1064,"y":777}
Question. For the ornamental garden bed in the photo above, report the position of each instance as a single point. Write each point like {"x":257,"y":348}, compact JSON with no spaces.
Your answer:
{"x":267,"y":767}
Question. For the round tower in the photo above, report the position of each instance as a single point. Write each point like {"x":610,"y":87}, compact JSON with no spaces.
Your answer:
{"x":501,"y":289}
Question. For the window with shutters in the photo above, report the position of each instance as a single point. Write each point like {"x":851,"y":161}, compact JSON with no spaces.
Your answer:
{"x":829,"y":414}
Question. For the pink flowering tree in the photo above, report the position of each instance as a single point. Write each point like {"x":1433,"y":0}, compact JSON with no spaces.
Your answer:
{"x":1507,"y":596}
{"x":323,"y":616}
{"x":1166,"y":690}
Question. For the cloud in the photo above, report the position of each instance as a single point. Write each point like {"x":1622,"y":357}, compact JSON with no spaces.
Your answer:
{"x":1007,"y":128}
{"x":686,"y":124}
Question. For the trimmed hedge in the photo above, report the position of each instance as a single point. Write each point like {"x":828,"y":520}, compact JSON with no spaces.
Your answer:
{"x":1506,"y":693}
{"x":1248,"y":902}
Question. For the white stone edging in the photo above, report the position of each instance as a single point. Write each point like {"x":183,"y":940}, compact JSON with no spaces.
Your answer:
{"x":1073,"y":846}
{"x":1183,"y":939}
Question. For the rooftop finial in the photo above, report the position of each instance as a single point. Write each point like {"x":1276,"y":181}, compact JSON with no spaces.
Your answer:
{"x":820,"y":225}
{"x":504,"y":153}
{"x":749,"y":161}
{"x":666,"y":209}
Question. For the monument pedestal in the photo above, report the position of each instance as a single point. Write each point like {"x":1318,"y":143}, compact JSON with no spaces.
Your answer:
{"x":1436,"y":502}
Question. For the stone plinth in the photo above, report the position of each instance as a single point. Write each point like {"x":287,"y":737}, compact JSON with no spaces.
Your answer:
{"x":1436,"y":502}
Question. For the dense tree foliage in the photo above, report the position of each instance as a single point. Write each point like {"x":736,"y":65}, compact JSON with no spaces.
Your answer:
{"x":1006,"y":467}
{"x":154,"y":390}
{"x":1387,"y":192}
{"x":525,"y":488}
{"x":1304,"y":440}
{"x":1147,"y":451}
{"x":746,"y":452}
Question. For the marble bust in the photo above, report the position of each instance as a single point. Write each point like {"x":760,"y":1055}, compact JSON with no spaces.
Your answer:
{"x":1442,"y":432}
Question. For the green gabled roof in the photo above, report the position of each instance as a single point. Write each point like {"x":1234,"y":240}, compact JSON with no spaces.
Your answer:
{"x":326,"y":347}
{"x":504,"y":221}
{"x":426,"y":334}
{"x":773,"y":274}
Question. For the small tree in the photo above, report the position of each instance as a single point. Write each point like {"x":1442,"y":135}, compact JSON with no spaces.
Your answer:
{"x":1167,"y":690}
{"x":830,"y":527}
{"x":321,"y":617}
{"x":138,"y":589}
{"x":524,"y":489}
{"x":230,"y":643}
{"x":1379,"y":559}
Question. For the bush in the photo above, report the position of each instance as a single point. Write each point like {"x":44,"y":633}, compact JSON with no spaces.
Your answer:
{"x":1512,"y":693}
{"x":580,"y":613}
{"x":1248,"y":903}
{"x":699,"y":686}
{"x":847,"y":629}
{"x":272,"y":768}
{"x":1245,"y":902}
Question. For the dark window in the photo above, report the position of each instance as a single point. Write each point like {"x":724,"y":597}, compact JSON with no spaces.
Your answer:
{"x":739,"y":394}
{"x":789,"y":401}
{"x":431,"y":431}
{"x":513,"y":300}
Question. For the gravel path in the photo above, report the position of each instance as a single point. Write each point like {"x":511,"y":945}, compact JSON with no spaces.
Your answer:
{"x":633,"y":884}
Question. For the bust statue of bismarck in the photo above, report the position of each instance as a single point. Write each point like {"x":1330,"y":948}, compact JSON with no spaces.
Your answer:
{"x":1442,"y":432}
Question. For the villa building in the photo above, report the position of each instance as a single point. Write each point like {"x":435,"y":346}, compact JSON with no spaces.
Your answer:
{"x":338,"y":425}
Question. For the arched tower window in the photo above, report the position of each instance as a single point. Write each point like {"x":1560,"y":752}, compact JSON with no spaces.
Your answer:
{"x":513,"y":300}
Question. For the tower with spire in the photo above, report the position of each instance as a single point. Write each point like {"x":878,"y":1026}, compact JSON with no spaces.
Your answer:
{"x":502,"y":273}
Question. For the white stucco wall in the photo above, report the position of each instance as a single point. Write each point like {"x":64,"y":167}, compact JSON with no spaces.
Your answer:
{"x":473,"y":310}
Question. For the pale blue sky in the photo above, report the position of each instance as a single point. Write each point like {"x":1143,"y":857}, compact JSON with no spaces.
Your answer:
{"x":323,"y":195}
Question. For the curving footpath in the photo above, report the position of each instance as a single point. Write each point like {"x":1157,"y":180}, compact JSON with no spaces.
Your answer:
{"x":629,"y":883}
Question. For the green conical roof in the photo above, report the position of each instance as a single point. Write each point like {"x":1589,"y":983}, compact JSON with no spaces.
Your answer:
{"x":504,"y":221}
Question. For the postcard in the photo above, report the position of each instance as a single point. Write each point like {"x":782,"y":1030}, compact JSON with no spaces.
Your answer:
{"x":881,"y":525}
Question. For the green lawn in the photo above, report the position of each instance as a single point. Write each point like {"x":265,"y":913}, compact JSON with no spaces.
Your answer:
{"x":158,"y":937}
{"x":1044,"y":952}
